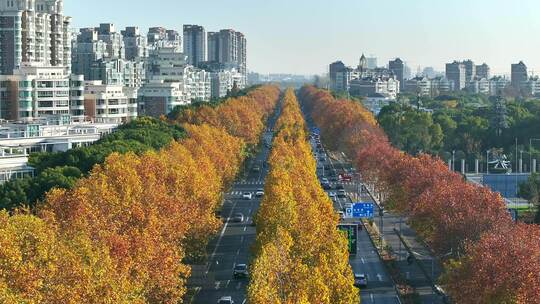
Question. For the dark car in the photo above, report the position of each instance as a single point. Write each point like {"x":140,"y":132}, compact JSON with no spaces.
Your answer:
{"x":360,"y":280}
{"x":240,"y":271}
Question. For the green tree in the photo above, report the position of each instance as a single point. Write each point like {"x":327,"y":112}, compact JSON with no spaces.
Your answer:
{"x":530,"y":190}
{"x":411,"y":130}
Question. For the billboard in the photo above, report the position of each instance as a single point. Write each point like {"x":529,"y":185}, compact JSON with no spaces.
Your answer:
{"x":352,"y":236}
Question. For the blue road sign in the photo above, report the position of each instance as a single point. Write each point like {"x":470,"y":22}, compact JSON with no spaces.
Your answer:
{"x":362,"y":210}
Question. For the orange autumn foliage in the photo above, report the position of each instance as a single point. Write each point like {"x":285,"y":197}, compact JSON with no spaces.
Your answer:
{"x":300,"y":255}
{"x":449,"y":213}
{"x":121,"y":234}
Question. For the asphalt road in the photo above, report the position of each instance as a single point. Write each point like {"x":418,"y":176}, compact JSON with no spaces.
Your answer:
{"x":233,"y":245}
{"x":380,"y":288}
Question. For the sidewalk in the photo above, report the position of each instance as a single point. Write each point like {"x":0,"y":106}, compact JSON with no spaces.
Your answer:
{"x":404,"y":243}
{"x":414,"y":260}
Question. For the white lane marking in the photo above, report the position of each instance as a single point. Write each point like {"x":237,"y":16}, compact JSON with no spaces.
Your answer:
{"x":363,"y":261}
{"x":244,"y":302}
{"x":371,"y":297}
{"x":217,"y":285}
{"x":247,"y":219}
{"x":238,"y":252}
{"x":221,"y":236}
{"x":245,"y":228}
{"x":379,"y":276}
{"x":228,"y":281}
{"x":238,"y":286}
{"x":242,"y":239}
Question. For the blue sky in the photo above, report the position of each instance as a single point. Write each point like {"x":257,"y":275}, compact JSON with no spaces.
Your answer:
{"x":303,"y":37}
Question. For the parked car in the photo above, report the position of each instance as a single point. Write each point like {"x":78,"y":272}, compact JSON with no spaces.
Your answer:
{"x":259,"y":193}
{"x":341,"y":194}
{"x":256,"y":169}
{"x":247,"y":195}
{"x":225,"y":300}
{"x":240,"y":271}
{"x":238,"y":218}
{"x":360,"y":280}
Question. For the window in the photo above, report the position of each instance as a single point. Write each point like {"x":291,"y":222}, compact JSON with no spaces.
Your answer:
{"x":25,"y":94}
{"x":45,"y":94}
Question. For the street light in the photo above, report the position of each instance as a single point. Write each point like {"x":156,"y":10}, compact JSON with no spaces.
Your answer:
{"x":487,"y":162}
{"x":453,"y":160}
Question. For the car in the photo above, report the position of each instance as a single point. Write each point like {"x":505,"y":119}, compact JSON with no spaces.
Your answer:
{"x":238,"y":218}
{"x":225,"y":300}
{"x":240,"y":271}
{"x":341,"y":194}
{"x":325,"y":180}
{"x":360,"y":280}
{"x":326,"y":186}
{"x":332,"y":194}
{"x":259,"y":193}
{"x":347,"y":206}
{"x":256,"y":169}
{"x":247,"y":195}
{"x":341,"y":215}
{"x":345,"y":177}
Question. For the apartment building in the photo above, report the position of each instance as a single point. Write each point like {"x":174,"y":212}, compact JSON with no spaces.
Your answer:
{"x":195,"y":44}
{"x":105,"y":103}
{"x":158,"y":97}
{"x":34,"y":31}
{"x":136,"y":44}
{"x":33,"y":92}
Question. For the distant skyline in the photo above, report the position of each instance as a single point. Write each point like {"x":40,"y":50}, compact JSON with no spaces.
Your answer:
{"x":303,"y":37}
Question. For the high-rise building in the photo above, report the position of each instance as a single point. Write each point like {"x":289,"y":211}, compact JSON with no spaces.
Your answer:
{"x":195,"y":44}
{"x":371,"y":62}
{"x":228,"y":47}
{"x":335,"y":68}
{"x":483,"y":71}
{"x":136,"y":45}
{"x":213,"y":46}
{"x":87,"y":50}
{"x":397,"y":67}
{"x":456,"y":73}
{"x":519,"y":75}
{"x":35,"y":32}
{"x":470,"y":70}
{"x":114,"y":40}
{"x":242,"y":53}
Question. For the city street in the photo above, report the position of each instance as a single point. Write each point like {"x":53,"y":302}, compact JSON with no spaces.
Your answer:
{"x":380,"y":288}
{"x":232,"y":245}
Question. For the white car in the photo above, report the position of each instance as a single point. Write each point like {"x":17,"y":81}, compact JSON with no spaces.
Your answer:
{"x":225,"y":300}
{"x":332,"y":195}
{"x":259,"y":193}
{"x":247,"y":195}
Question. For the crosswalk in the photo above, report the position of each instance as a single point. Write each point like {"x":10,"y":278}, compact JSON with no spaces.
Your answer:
{"x":242,"y":183}
{"x":352,"y":195}
{"x":260,"y":182}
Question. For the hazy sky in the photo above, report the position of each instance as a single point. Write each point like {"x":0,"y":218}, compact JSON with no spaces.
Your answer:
{"x":304,"y":36}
